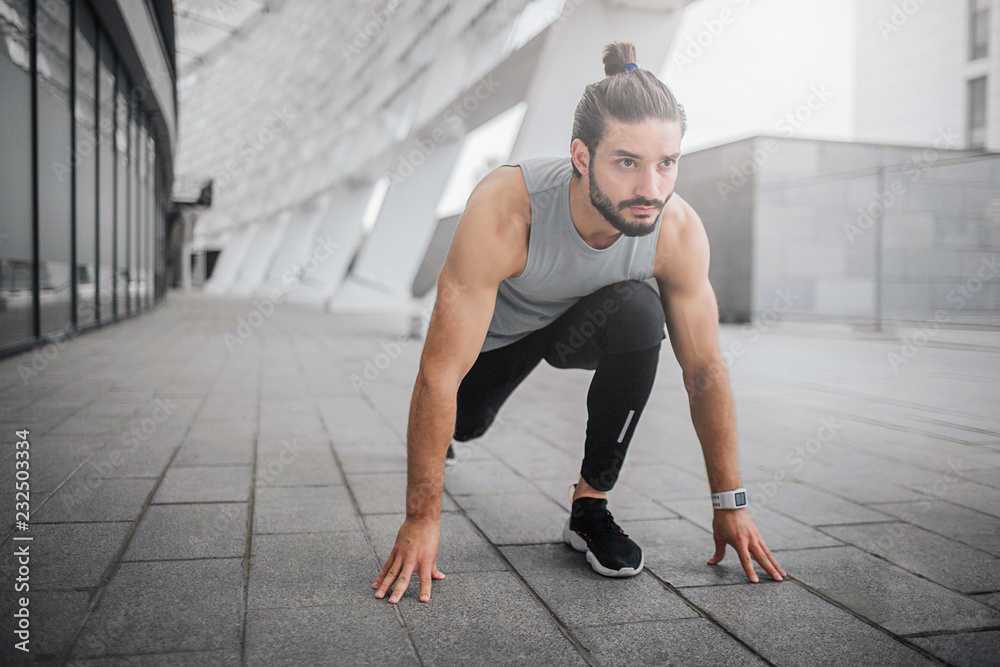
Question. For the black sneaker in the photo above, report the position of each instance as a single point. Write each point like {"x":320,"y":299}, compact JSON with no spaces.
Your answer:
{"x":450,"y":459}
{"x":592,"y":529}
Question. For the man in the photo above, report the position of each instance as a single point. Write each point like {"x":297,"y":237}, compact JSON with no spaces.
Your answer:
{"x":549,"y":261}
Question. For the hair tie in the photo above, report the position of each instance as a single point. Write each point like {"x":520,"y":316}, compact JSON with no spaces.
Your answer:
{"x":627,"y":66}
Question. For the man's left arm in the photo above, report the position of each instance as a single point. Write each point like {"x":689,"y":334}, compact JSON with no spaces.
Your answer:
{"x":692,"y":316}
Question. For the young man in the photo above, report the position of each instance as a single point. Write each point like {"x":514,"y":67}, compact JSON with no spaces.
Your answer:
{"x":549,"y":261}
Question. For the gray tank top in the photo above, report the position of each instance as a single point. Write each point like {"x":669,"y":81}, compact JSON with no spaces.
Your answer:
{"x":561,"y":268}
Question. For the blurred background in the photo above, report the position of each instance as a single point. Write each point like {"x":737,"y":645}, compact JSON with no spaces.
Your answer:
{"x":842,"y":154}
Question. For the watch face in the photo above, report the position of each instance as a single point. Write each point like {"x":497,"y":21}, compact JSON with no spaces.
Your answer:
{"x":741,"y":499}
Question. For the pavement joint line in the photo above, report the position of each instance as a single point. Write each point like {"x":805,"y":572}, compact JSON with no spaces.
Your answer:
{"x":707,"y":616}
{"x":563,"y":628}
{"x":945,"y":633}
{"x":248,"y":542}
{"x":899,"y":638}
{"x":371,"y":545}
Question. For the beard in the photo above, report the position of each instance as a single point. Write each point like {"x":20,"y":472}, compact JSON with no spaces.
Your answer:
{"x":613,"y":213}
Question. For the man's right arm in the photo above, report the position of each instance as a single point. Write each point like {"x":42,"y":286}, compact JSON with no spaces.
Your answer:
{"x":489,"y":245}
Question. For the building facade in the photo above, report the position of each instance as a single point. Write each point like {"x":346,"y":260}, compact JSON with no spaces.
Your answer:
{"x":851,"y":232}
{"x":926,"y":66}
{"x":88,"y":102}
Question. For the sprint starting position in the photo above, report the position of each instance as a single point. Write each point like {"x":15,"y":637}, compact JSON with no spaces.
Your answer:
{"x":549,"y":261}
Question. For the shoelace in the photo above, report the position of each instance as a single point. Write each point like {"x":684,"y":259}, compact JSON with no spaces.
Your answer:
{"x":603,"y":520}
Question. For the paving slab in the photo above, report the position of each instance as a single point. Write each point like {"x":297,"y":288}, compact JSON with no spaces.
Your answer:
{"x":811,"y":506}
{"x":294,"y":468}
{"x":67,"y":555}
{"x":309,"y":569}
{"x":300,"y":509}
{"x":944,"y":561}
{"x":971,"y":649}
{"x":790,"y":626}
{"x":95,"y":499}
{"x":485,"y":477}
{"x":224,"y":451}
{"x":190,"y":530}
{"x":485,"y":618}
{"x":959,"y":523}
{"x":327,"y":636}
{"x":684,"y":641}
{"x":55,"y":616}
{"x":168,"y":606}
{"x":578,"y":596}
{"x":201,"y":484}
{"x":516,"y":518}
{"x":884,"y":593}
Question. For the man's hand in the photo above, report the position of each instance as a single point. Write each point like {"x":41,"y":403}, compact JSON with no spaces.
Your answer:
{"x":736,"y":527}
{"x":415,"y":552}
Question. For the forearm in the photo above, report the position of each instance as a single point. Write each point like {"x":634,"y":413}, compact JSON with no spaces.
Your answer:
{"x":431,"y":426}
{"x":713,"y":414}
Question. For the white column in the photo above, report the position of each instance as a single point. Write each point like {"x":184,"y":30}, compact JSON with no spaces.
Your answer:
{"x":571,"y":59}
{"x":392,"y":254}
{"x":321,"y":270}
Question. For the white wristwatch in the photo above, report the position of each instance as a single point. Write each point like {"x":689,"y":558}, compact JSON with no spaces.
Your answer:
{"x":730,"y":500}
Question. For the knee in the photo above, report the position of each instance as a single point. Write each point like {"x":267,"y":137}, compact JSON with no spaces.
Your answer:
{"x":635,"y":317}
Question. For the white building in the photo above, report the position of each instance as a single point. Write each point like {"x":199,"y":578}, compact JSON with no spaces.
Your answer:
{"x":929,"y":66}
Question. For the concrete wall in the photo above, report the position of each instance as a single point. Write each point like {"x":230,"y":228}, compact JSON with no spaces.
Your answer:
{"x":819,"y":231}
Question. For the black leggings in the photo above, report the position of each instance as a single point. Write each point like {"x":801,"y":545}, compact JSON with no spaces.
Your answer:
{"x":616,"y":331}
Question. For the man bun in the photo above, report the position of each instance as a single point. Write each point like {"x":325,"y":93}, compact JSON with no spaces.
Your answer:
{"x":616,"y":56}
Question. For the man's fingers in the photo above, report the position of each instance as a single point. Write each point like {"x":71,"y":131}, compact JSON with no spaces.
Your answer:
{"x":438,"y":574}
{"x":390,"y":576}
{"x":425,"y":582}
{"x":720,"y":552}
{"x":747,"y":562}
{"x":766,"y":560}
{"x":402,"y":583}
{"x":774,"y":560}
{"x":385,"y":569}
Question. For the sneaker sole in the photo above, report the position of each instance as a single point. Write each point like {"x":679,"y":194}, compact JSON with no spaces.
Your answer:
{"x":571,"y":538}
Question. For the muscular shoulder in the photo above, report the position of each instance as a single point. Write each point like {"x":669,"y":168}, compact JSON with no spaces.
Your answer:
{"x":496,"y":220}
{"x":682,"y":251}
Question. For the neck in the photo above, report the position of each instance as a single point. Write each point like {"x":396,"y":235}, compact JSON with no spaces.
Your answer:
{"x":590,"y":224}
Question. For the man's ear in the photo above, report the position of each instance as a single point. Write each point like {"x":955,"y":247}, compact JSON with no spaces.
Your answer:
{"x":581,"y":155}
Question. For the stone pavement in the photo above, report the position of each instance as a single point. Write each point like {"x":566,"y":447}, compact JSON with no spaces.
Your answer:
{"x":193,"y":504}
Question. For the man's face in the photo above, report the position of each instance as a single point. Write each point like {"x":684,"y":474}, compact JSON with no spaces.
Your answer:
{"x":633,"y":171}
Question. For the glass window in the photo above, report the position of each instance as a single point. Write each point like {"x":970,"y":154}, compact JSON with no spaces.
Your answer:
{"x":977,"y":113}
{"x":123,"y":193}
{"x":106,"y":180}
{"x":135,"y":210}
{"x":979,"y":29}
{"x":148,"y":236}
{"x":54,"y":170}
{"x":85,"y":166}
{"x":16,"y":315}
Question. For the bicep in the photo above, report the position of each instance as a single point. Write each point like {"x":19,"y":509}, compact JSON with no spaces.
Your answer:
{"x":690,"y":306}
{"x":483,"y":252}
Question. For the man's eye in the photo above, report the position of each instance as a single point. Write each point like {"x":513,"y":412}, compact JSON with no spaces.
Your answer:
{"x":627,"y":162}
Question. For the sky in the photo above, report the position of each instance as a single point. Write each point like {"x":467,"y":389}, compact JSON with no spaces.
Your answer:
{"x":739,"y":68}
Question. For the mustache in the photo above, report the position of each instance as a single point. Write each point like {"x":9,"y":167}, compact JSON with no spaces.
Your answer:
{"x":641,"y":201}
